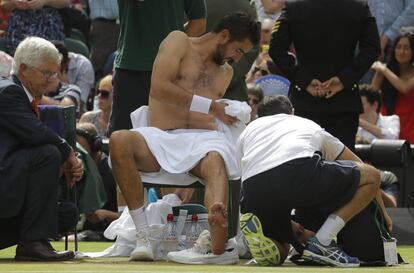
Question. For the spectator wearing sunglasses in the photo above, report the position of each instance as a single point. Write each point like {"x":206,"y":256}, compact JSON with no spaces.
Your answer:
{"x":100,"y":118}
{"x":259,"y":69}
{"x":263,"y":66}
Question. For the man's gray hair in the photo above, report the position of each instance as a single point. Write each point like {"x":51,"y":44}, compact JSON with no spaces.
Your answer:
{"x":33,"y":51}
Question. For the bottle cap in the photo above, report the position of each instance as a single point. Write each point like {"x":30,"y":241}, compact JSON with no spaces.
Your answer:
{"x":265,"y":48}
{"x":170,"y":217}
{"x":194,"y":218}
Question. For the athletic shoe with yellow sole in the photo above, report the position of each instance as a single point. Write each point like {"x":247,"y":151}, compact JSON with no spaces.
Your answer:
{"x":262,"y":248}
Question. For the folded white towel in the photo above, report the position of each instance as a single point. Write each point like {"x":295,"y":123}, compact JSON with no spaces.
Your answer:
{"x":239,"y":109}
{"x":178,"y":151}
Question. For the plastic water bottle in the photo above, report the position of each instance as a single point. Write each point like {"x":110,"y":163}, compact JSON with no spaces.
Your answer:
{"x":152,"y":195}
{"x":169,"y":240}
{"x":193,"y":232}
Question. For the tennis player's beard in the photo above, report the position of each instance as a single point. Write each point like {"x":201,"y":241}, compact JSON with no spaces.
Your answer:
{"x":218,"y":55}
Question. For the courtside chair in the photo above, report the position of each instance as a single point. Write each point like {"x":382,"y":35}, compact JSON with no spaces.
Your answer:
{"x":139,"y":118}
{"x":62,"y":120}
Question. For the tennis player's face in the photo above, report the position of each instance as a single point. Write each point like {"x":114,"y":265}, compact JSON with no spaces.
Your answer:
{"x":231,"y":51}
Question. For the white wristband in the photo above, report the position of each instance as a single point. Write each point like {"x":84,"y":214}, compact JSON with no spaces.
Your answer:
{"x":200,"y":104}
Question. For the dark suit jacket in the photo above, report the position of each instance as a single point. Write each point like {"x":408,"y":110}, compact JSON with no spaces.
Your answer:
{"x":325,"y":34}
{"x":20,"y":130}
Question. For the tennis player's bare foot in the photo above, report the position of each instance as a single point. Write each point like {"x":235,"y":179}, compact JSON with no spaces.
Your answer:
{"x":218,"y":222}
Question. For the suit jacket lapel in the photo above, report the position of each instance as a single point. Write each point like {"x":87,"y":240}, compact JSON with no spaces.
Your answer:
{"x":16,"y":80}
{"x":19,"y":83}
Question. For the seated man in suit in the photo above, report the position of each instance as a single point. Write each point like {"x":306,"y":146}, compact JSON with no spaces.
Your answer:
{"x":31,"y":156}
{"x":189,"y":75}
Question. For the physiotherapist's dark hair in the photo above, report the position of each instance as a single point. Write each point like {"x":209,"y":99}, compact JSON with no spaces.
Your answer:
{"x":241,"y":26}
{"x":273,"y":105}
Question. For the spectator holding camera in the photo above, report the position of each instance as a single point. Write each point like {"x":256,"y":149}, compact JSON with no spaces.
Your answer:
{"x":98,"y":198}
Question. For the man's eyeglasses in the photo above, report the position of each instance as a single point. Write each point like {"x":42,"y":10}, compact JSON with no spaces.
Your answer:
{"x":103,"y":93}
{"x":46,"y":73}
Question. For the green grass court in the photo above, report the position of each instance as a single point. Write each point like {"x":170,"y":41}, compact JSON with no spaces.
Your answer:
{"x":7,"y":264}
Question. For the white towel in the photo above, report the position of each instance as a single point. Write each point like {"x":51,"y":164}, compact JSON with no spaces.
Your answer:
{"x":239,"y":109}
{"x":178,"y":151}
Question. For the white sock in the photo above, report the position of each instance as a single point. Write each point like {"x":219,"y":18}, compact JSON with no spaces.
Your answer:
{"x":330,"y":229}
{"x":139,"y":218}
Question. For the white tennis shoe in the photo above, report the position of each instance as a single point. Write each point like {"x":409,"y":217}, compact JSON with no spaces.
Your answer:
{"x":143,"y":249}
{"x":201,"y":252}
